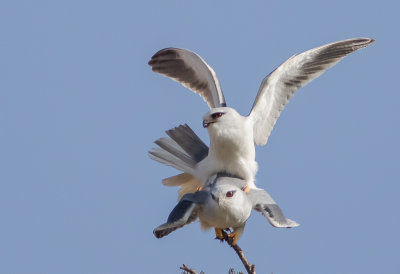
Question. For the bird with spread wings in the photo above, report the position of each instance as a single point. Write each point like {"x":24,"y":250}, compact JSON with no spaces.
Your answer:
{"x":224,"y":204}
{"x":232,"y":136}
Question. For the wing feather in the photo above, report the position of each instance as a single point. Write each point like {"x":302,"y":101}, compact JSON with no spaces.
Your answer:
{"x":191,"y":71}
{"x":280,"y":85}
{"x":263,"y":202}
{"x":185,"y":212}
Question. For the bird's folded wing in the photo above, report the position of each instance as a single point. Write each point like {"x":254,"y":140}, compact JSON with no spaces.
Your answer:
{"x":190,"y":70}
{"x":185,"y":212}
{"x":280,"y":85}
{"x":263,"y":202}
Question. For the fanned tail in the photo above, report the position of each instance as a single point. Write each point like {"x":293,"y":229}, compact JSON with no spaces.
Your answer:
{"x":182,"y":150}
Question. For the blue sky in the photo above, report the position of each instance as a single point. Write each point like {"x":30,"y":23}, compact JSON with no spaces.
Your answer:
{"x":80,"y":108}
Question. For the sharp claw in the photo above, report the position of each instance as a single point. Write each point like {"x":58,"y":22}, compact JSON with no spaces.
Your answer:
{"x":233,"y":237}
{"x":221,"y":240}
{"x":218,"y":234}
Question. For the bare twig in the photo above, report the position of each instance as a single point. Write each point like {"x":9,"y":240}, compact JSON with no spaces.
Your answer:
{"x":189,"y":270}
{"x":251,"y":268}
{"x":232,"y":271}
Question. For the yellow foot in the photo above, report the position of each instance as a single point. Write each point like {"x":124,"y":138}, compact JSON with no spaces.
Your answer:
{"x":233,"y":237}
{"x":218,"y":233}
{"x":199,"y":188}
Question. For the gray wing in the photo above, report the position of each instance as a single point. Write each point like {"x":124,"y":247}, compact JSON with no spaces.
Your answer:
{"x":190,"y":70}
{"x":281,"y":84}
{"x":185,"y":212}
{"x":263,"y":202}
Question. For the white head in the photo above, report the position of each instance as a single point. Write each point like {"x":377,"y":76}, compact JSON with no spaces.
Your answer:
{"x":223,"y":116}
{"x":227,"y":206}
{"x":231,"y":136}
{"x":227,"y":195}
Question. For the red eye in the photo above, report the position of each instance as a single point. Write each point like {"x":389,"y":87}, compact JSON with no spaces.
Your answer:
{"x":217,"y":115}
{"x":230,"y":194}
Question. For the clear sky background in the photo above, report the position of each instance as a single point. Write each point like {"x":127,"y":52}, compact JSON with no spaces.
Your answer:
{"x":80,"y":108}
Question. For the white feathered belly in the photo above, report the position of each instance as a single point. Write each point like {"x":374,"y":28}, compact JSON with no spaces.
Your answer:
{"x":235,"y":164}
{"x":231,"y":151}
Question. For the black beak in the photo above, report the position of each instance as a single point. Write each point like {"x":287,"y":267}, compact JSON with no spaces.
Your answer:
{"x":215,"y":198}
{"x":205,"y":124}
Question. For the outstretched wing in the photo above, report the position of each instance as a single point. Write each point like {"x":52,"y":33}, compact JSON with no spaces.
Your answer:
{"x":263,"y":202}
{"x":190,"y":70}
{"x":280,"y":85}
{"x":185,"y":212}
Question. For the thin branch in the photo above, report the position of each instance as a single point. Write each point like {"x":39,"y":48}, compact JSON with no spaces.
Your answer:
{"x":232,"y":271}
{"x":251,"y":268}
{"x":189,"y":270}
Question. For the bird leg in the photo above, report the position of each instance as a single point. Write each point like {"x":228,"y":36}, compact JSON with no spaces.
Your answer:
{"x":234,"y":236}
{"x":218,"y":233}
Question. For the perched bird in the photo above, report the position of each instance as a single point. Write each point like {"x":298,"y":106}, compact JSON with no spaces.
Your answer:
{"x":232,"y":136}
{"x":226,"y":202}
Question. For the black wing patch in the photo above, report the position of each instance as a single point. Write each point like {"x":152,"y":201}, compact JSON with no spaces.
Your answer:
{"x":185,"y":212}
{"x":274,"y":215}
{"x":263,"y":202}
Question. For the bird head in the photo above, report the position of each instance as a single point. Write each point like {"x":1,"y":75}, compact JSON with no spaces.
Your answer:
{"x":218,"y":116}
{"x":227,"y":195}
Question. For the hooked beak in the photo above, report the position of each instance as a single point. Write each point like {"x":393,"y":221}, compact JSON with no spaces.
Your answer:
{"x":207,"y":123}
{"x":216,"y":199}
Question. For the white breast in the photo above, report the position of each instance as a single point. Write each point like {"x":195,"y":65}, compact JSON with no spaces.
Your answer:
{"x":232,"y":151}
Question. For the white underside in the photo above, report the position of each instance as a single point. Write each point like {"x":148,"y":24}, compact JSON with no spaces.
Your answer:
{"x":231,"y":151}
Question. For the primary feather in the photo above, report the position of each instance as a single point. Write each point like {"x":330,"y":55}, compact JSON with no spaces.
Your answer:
{"x":281,"y":84}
